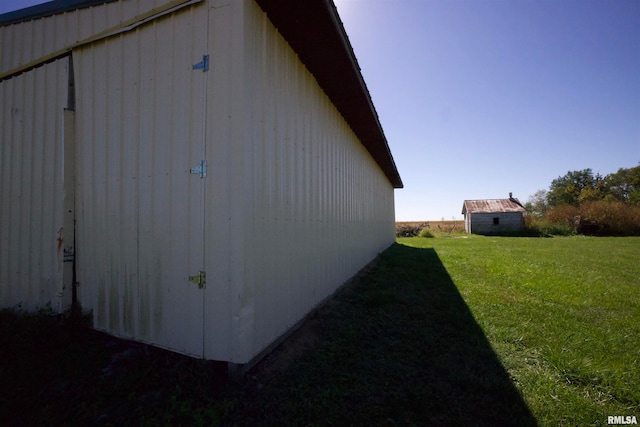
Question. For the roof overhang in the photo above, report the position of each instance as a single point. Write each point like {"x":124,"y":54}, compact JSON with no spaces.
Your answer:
{"x":314,"y":31}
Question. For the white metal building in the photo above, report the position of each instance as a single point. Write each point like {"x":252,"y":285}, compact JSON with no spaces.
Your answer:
{"x":493,"y":216}
{"x":205,"y":171}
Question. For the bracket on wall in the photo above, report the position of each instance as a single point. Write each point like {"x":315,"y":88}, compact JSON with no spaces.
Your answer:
{"x":200,"y":170}
{"x":202,"y":65}
{"x":200,"y":280}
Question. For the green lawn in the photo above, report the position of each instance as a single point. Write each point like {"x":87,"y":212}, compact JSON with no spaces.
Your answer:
{"x":451,"y":331}
{"x":562,"y":314}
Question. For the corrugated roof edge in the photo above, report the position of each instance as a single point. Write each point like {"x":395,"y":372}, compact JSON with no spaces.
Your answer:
{"x":46,"y":9}
{"x":511,"y":205}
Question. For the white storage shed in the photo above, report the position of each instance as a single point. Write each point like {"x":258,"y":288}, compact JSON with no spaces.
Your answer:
{"x":199,"y":174}
{"x":493,"y":216}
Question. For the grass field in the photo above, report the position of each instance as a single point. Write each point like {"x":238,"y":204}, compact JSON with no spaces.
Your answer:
{"x":464,"y":330}
{"x":562,"y":314}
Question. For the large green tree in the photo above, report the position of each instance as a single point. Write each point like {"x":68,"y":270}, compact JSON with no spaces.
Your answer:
{"x":623,"y":185}
{"x":577,"y":187}
{"x":574,"y":188}
{"x":537,"y":204}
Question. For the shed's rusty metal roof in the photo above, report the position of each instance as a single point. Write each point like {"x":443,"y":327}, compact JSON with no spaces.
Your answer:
{"x":492,"y":205}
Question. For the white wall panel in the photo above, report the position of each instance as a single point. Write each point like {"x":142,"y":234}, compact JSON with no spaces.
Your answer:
{"x":223,"y":189}
{"x":316,"y":208}
{"x":140,"y":225}
{"x":31,"y":188}
{"x":28,"y":41}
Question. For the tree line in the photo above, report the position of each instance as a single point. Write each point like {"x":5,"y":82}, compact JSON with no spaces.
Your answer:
{"x":588,"y":203}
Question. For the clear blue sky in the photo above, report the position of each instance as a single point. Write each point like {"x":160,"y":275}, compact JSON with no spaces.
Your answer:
{"x":479,"y":98}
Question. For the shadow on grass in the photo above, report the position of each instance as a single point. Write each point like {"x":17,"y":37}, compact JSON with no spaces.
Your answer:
{"x":398,"y":347}
{"x":461,"y":379}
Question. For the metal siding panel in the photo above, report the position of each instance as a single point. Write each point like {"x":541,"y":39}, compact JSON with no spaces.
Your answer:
{"x":69,"y":206}
{"x":30,"y":40}
{"x":31,"y":185}
{"x":140,"y":223}
{"x":221,"y":295}
{"x":300,"y":251}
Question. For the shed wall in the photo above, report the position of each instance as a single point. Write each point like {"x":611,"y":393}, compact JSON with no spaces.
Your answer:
{"x":293,"y":205}
{"x":140,"y":211}
{"x":315,"y":205}
{"x":31,"y":188}
{"x":482,"y":223}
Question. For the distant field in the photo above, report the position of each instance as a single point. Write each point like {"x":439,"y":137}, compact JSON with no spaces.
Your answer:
{"x":437,"y":228}
{"x":433,"y":224}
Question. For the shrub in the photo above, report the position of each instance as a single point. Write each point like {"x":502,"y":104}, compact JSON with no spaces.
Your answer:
{"x":547,"y":228}
{"x":425,"y":232}
{"x":607,"y":218}
{"x":409,"y":229}
{"x":601,"y":217}
{"x":535,"y":226}
{"x":563,"y":214}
